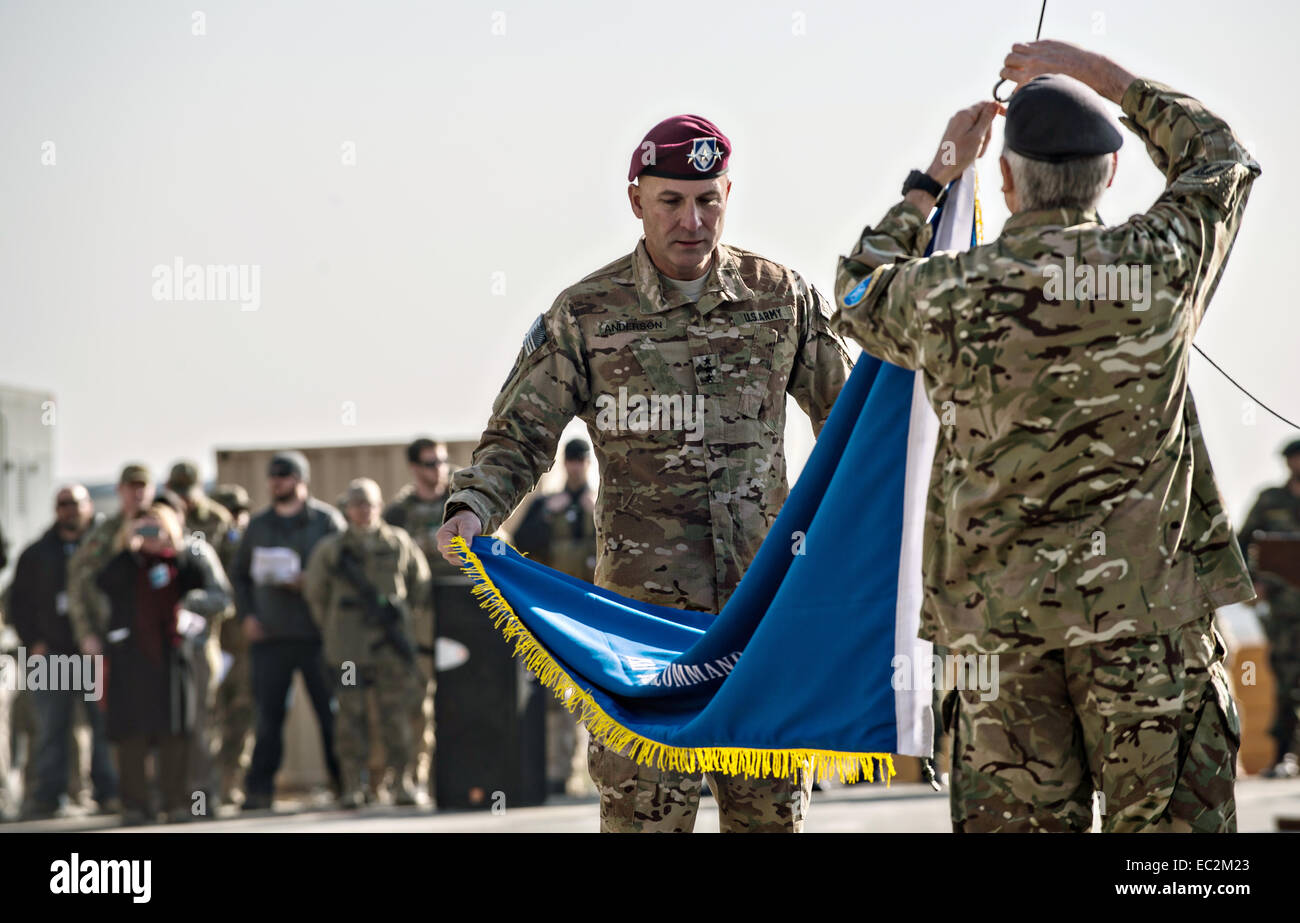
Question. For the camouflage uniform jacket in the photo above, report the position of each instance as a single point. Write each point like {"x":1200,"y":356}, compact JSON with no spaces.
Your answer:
{"x":1276,"y":510}
{"x":393,"y":565}
{"x":684,"y":501}
{"x":421,"y":519}
{"x":1071,"y":494}
{"x":88,"y":608}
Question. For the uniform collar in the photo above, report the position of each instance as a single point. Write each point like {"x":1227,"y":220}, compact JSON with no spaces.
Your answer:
{"x":724,"y":282}
{"x":1050,"y":217}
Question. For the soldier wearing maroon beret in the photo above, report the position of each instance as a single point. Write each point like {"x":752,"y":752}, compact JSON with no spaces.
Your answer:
{"x":678,"y":357}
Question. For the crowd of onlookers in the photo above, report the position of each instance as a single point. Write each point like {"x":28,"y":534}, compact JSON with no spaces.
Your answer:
{"x":186,"y":616}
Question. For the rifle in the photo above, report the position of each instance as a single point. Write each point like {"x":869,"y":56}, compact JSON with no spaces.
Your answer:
{"x":378,"y":608}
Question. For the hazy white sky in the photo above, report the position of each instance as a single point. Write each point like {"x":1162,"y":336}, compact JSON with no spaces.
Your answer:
{"x":494,"y":137}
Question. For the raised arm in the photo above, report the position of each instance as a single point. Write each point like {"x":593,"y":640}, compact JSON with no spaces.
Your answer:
{"x":873,"y":308}
{"x":1208,"y":172}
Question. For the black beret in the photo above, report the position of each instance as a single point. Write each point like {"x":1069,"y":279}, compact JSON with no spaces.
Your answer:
{"x":1291,"y":448}
{"x":1056,"y":118}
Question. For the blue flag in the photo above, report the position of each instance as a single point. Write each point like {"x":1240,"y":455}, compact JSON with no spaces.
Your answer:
{"x":814,"y":661}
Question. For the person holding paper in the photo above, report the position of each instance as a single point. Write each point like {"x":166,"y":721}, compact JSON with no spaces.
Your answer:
{"x":276,"y":620}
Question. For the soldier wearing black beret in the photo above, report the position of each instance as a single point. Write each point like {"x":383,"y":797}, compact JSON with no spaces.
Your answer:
{"x":1074,"y":523}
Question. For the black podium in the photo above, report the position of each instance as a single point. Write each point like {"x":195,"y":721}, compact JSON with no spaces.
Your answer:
{"x":490,"y":711}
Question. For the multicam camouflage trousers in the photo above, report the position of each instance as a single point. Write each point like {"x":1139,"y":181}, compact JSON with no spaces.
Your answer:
{"x":641,"y":799}
{"x":1146,"y":722}
{"x":394,"y":688}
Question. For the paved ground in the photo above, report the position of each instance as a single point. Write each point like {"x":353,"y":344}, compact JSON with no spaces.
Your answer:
{"x":904,"y":807}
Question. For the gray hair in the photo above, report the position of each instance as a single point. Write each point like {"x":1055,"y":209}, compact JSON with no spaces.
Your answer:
{"x":1072,"y":184}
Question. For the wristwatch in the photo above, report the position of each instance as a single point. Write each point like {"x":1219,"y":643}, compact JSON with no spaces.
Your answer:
{"x":918,"y":180}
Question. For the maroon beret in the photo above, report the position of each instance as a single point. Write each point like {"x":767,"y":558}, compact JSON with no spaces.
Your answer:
{"x":682,"y":147}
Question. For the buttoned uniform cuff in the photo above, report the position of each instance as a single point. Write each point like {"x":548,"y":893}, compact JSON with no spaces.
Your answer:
{"x":476,"y":503}
{"x":906,"y":214}
{"x":1128,"y":102}
{"x":908,"y":226}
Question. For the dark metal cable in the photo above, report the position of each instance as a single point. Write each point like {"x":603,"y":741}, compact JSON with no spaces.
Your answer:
{"x":1038,"y":34}
{"x":1243,"y":390}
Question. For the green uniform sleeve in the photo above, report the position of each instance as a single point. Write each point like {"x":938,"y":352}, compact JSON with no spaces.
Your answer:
{"x":873,"y":307}
{"x":548,"y":386}
{"x":1190,"y":230}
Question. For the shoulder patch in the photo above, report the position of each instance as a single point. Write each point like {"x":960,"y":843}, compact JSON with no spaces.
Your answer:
{"x":536,"y":336}
{"x":857,"y":293}
{"x":533,"y":340}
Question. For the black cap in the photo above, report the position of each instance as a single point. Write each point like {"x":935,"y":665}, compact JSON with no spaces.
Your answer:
{"x":290,"y":463}
{"x":1291,"y":448}
{"x":576,"y":450}
{"x":1056,"y":118}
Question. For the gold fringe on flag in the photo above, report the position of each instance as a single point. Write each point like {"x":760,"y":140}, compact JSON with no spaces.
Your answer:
{"x":746,"y":761}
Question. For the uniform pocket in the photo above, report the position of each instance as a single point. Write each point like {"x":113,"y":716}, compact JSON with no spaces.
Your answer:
{"x":758,"y":372}
{"x":1204,"y":797}
{"x":1228,"y":709}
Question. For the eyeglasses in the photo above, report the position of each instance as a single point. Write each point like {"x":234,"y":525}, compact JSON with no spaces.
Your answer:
{"x":282,"y":472}
{"x":436,"y":463}
{"x":63,"y":503}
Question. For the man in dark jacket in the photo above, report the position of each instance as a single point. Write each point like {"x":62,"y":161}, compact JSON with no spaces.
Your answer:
{"x":282,"y":636}
{"x":39,"y":613}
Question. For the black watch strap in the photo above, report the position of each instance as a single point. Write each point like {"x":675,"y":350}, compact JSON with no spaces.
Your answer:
{"x":918,"y":180}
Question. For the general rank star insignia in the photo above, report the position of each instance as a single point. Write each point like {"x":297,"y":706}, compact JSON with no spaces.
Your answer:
{"x":704,"y":154}
{"x":706,"y":369}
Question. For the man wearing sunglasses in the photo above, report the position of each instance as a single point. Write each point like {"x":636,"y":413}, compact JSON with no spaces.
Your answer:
{"x":276,"y":620}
